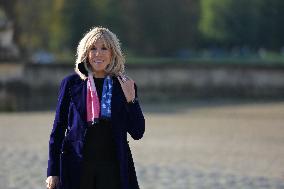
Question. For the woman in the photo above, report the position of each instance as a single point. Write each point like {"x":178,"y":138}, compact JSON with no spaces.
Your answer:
{"x":97,"y":106}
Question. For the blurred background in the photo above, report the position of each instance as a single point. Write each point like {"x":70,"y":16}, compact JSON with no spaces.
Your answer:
{"x":210,"y":76}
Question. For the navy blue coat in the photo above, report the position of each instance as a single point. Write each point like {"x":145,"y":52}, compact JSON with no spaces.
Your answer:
{"x":69,"y":129}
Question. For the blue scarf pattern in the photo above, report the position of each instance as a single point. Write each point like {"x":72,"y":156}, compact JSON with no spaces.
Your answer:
{"x":106,"y":98}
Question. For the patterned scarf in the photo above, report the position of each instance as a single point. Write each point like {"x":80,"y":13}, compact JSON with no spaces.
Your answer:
{"x":94,"y":109}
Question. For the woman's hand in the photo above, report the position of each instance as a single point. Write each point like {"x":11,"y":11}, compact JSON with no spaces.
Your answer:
{"x":127,"y":85}
{"x":52,"y":182}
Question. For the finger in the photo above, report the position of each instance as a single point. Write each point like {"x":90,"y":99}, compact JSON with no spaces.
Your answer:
{"x":119,"y":79}
{"x":123,"y":77}
{"x":120,"y":74}
{"x":51,"y":186}
{"x":48,"y":186}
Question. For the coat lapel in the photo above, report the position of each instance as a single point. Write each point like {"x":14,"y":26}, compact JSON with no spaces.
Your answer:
{"x":116,"y":99}
{"x":78,"y":95}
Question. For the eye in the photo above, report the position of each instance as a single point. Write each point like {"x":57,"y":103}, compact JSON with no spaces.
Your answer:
{"x":104,"y":48}
{"x":93,"y":48}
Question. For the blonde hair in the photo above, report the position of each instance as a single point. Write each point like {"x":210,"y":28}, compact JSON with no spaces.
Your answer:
{"x":111,"y":41}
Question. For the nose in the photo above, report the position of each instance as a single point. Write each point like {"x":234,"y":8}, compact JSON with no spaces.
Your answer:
{"x":98,"y":52}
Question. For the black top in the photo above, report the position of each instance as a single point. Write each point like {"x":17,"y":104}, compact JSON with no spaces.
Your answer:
{"x":99,"y":143}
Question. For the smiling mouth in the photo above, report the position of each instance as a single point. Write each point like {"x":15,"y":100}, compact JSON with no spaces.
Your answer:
{"x":98,"y":61}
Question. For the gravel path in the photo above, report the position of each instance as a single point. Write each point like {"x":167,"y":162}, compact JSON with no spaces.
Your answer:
{"x":237,"y":146}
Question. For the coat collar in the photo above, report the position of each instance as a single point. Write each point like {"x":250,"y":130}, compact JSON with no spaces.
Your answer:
{"x":78,"y":92}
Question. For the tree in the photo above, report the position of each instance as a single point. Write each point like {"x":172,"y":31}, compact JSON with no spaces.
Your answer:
{"x":161,"y":28}
{"x":254,"y":23}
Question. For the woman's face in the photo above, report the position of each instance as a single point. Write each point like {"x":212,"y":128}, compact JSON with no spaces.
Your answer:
{"x":99,"y":57}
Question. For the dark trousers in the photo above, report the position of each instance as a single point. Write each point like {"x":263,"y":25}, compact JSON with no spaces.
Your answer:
{"x":103,"y":175}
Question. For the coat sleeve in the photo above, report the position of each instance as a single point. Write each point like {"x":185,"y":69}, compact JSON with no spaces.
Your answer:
{"x":59,"y":127}
{"x":135,"y":120}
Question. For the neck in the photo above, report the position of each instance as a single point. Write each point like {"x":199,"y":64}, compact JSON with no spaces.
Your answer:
{"x":99,"y":75}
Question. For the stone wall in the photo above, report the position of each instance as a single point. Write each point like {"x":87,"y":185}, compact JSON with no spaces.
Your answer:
{"x":35,"y":86}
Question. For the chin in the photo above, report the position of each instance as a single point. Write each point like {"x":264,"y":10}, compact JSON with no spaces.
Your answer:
{"x":98,"y":68}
